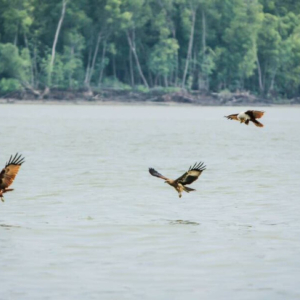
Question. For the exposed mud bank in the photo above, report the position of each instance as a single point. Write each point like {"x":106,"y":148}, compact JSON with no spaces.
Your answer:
{"x":121,"y":96}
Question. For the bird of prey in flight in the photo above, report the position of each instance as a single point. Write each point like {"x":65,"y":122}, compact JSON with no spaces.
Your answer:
{"x":247,"y":116}
{"x":187,"y":178}
{"x":9,"y":173}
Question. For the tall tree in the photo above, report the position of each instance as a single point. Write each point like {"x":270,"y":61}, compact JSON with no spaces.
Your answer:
{"x":61,"y":19}
{"x":190,"y":18}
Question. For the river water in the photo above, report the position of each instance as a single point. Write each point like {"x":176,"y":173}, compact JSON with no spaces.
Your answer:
{"x":87,"y":220}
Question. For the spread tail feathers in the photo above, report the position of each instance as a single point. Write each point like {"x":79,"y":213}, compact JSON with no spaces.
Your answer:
{"x":187,"y":189}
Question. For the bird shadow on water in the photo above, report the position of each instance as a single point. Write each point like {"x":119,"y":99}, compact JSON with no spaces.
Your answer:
{"x":183,"y":222}
{"x":7,"y":227}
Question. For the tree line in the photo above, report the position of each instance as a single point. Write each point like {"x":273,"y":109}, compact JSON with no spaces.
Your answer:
{"x":203,"y":45}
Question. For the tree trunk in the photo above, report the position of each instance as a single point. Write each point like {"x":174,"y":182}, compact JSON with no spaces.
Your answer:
{"x":196,"y":72}
{"x":203,"y":33}
{"x":260,"y":81}
{"x":102,"y":64}
{"x":272,"y":80}
{"x":189,"y":53}
{"x":155,"y":80}
{"x":71,"y":72}
{"x":150,"y":78}
{"x":31,"y":63}
{"x":131,"y":42}
{"x":131,"y":67}
{"x":35,"y":69}
{"x":55,"y":40}
{"x":87,"y":71}
{"x":94,"y":59}
{"x":176,"y":70}
{"x":16,"y":37}
{"x":114,"y":66}
{"x":166,"y":80}
{"x":206,"y":83}
{"x":32,"y":89}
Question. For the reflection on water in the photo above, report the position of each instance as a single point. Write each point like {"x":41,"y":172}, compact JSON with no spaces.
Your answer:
{"x":9,"y":226}
{"x":87,"y":221}
{"x":184,"y":222}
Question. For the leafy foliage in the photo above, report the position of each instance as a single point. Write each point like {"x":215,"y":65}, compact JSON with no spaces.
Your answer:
{"x":249,"y":45}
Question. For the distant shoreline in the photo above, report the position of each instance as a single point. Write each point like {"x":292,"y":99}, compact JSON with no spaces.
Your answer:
{"x":152,"y":97}
{"x":130,"y":103}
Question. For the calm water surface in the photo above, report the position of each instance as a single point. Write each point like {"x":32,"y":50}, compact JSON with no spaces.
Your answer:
{"x":87,"y":221}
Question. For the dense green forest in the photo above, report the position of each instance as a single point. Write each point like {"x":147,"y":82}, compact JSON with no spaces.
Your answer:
{"x":203,"y":45}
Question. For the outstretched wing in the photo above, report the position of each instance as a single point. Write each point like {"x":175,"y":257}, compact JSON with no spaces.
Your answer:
{"x":156,"y":174}
{"x":192,"y":174}
{"x":232,"y":117}
{"x":254,"y":114}
{"x":10,"y":171}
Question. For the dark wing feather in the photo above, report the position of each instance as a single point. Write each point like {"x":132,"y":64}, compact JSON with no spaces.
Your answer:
{"x":156,"y":174}
{"x":10,"y":171}
{"x":254,"y":114}
{"x":258,"y":124}
{"x":192,"y":174}
{"x":232,"y":117}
